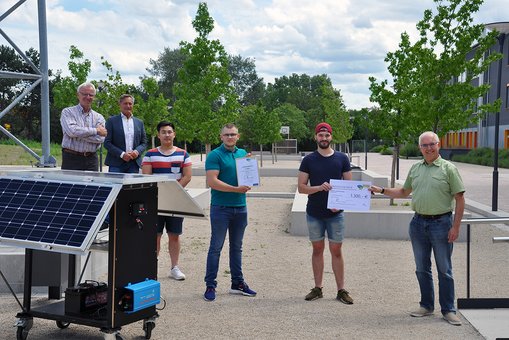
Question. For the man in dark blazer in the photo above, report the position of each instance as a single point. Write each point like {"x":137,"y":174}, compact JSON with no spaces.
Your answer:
{"x":126,"y":139}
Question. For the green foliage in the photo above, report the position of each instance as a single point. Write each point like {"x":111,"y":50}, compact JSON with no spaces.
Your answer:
{"x":378,"y":148}
{"x":410,"y":150}
{"x":151,"y":106}
{"x":448,"y":95}
{"x":386,"y":150}
{"x":25,"y":117}
{"x":110,"y":90}
{"x":484,"y":156}
{"x":289,"y":115}
{"x":246,"y":83}
{"x":205,"y":98}
{"x":64,"y":90}
{"x":259,"y":126}
{"x":432,"y":78}
{"x":316,"y":97}
{"x":166,"y":68}
{"x":334,"y":110}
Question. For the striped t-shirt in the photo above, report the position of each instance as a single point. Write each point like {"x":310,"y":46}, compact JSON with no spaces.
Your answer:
{"x":167,"y":164}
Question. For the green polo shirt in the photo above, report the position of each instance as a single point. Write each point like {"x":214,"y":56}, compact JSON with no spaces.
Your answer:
{"x":434,"y":186}
{"x":223,"y":160}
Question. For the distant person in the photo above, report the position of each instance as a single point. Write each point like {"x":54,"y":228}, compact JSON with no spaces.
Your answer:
{"x":83,"y":132}
{"x":315,"y":172}
{"x":126,"y":140}
{"x":174,"y":161}
{"x":436,"y":184}
{"x":228,"y":212}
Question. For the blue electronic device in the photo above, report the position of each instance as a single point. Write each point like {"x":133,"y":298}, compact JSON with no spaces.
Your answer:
{"x":140,"y":295}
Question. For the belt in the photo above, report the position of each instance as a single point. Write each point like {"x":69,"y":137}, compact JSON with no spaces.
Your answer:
{"x":432,"y":217}
{"x":83,"y":154}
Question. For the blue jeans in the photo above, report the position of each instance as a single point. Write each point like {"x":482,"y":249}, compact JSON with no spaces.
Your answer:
{"x":126,"y":168}
{"x":223,"y":219}
{"x":427,"y":235}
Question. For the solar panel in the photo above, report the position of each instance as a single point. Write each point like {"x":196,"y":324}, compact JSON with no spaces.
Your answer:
{"x":52,"y":215}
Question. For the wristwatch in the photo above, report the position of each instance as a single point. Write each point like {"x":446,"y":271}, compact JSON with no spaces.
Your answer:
{"x":382,"y":191}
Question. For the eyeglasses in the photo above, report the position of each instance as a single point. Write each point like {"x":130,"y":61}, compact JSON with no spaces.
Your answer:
{"x":230,"y":135}
{"x":430,"y":145}
{"x":162,"y":132}
{"x":88,"y":94}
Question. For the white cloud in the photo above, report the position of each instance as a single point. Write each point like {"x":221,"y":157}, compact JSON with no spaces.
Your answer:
{"x":346,"y":39}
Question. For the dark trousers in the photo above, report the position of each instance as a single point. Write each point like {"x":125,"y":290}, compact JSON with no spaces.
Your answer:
{"x":79,"y":162}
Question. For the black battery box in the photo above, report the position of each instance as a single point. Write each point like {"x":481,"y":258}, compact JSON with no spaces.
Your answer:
{"x":86,"y":298}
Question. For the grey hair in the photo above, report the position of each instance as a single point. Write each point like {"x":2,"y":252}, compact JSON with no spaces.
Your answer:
{"x":85,"y":84}
{"x":124,"y":96}
{"x":429,"y":133}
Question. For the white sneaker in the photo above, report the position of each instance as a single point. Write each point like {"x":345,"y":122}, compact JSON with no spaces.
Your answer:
{"x":177,"y":274}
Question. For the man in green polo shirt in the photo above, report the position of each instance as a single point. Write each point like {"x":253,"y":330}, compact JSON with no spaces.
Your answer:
{"x":435,"y":185}
{"x":228,"y":212}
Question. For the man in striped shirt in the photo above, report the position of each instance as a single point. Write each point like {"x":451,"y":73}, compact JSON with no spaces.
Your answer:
{"x":174,"y":161}
{"x":83,"y":132}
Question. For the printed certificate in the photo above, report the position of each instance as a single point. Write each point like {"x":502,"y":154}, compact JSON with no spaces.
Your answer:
{"x":247,"y":171}
{"x":349,"y":195}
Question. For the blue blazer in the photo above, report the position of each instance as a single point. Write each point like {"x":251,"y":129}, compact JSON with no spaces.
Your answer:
{"x":115,"y":140}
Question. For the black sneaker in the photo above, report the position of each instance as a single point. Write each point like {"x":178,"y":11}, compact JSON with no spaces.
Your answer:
{"x":242,"y":289}
{"x":344,"y":297}
{"x":315,"y":293}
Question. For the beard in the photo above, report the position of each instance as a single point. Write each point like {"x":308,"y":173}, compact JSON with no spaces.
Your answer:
{"x":324,"y":144}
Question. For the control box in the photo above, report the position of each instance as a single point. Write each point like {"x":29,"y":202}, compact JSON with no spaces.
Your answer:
{"x":140,"y":295}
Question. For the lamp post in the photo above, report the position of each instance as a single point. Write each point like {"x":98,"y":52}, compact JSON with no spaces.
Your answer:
{"x":502,"y":28}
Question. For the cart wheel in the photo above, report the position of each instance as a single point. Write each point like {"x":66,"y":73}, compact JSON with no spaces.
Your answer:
{"x":148,"y":327}
{"x":21,"y":333}
{"x":62,"y":325}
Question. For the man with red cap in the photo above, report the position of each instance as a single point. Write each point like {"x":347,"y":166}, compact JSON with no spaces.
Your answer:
{"x":315,"y":172}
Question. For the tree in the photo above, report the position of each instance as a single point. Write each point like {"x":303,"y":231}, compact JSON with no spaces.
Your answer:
{"x":313,"y":95}
{"x":259,"y":126}
{"x":64,"y":90}
{"x":449,"y":98}
{"x":166,"y":68}
{"x":24,"y":118}
{"x":432,"y":78}
{"x":109,"y":91}
{"x":205,"y":98}
{"x":151,"y":106}
{"x":289,"y":115}
{"x":248,"y":86}
{"x":334,"y":112}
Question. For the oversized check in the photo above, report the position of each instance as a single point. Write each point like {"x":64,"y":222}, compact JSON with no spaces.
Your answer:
{"x":349,"y":195}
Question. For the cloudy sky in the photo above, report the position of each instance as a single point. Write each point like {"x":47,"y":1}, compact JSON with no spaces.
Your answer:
{"x":345,"y":39}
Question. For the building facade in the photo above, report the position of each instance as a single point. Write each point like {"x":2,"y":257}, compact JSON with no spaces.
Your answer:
{"x":482,"y":134}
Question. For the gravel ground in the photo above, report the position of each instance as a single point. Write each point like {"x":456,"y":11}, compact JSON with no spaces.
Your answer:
{"x":379,"y":276}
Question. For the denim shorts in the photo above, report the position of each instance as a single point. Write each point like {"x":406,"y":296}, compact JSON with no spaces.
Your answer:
{"x":335,"y":227}
{"x":173,"y":224}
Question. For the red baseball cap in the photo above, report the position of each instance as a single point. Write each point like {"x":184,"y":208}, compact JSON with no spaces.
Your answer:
{"x":323,"y":127}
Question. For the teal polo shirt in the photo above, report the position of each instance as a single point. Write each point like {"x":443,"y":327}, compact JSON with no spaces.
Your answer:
{"x":434,"y":186}
{"x":223,"y":160}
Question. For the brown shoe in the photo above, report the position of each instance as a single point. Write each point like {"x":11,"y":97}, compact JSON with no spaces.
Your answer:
{"x":315,"y":293}
{"x":344,"y":297}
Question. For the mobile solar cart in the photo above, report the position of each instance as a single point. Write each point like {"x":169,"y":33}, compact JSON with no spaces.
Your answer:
{"x":62,"y":211}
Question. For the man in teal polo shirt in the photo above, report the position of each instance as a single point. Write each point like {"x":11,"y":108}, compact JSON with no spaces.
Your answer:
{"x":228,"y":212}
{"x":436,"y":185}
